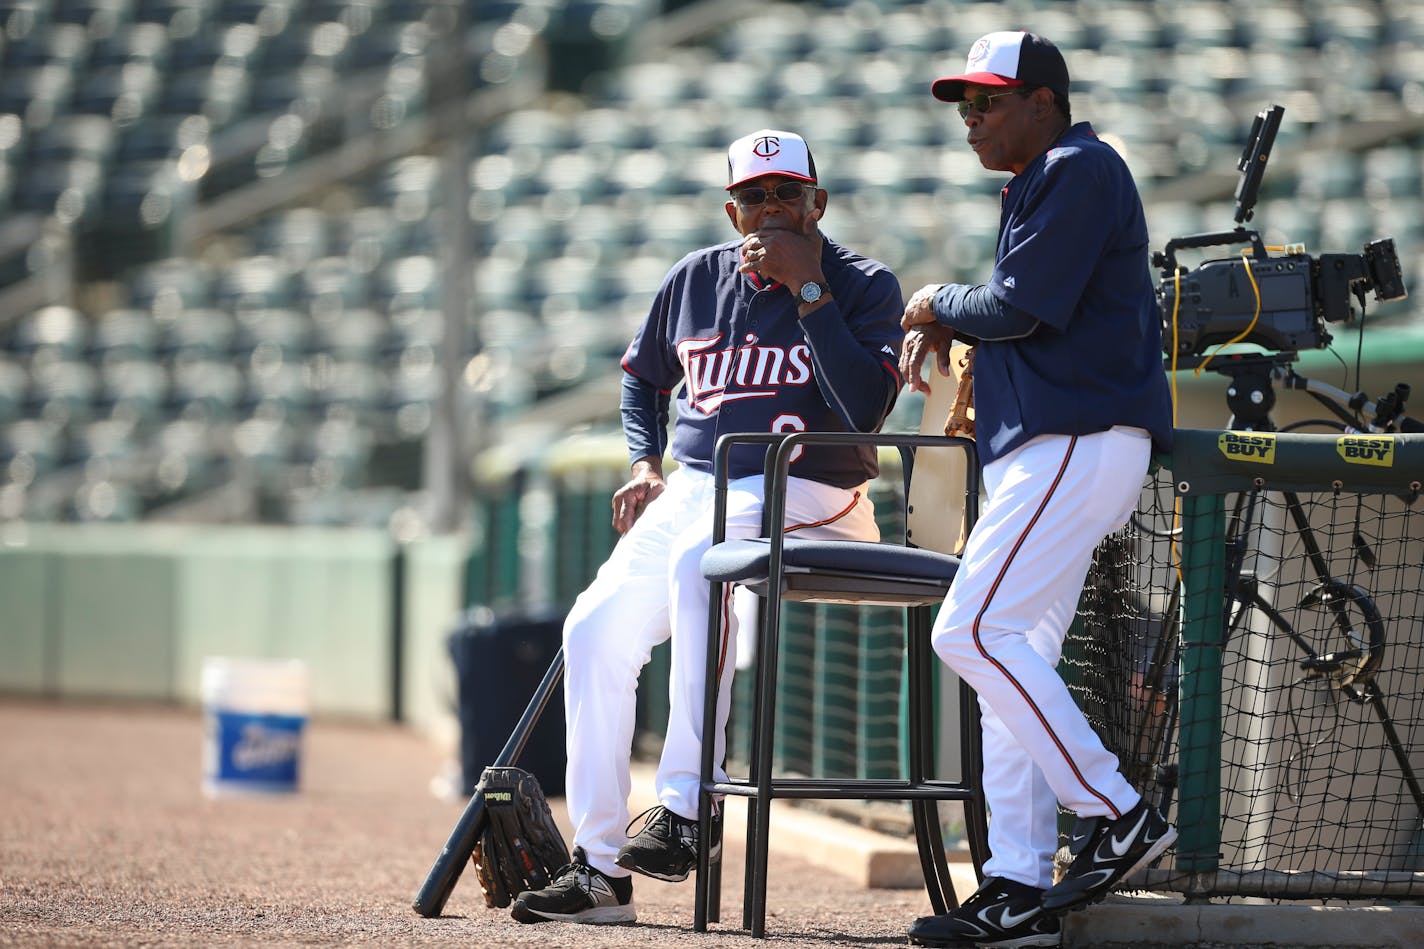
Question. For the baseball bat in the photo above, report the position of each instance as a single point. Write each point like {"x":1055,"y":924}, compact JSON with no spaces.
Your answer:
{"x":448,"y":866}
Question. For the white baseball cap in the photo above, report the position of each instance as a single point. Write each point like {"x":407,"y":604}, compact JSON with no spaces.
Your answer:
{"x":769,"y":152}
{"x":1005,"y":59}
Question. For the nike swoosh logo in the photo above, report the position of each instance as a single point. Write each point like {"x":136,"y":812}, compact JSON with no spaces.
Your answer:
{"x":1121,"y":847}
{"x":1008,"y":920}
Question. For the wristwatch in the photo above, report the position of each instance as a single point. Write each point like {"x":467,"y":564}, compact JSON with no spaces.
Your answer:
{"x":811,"y":292}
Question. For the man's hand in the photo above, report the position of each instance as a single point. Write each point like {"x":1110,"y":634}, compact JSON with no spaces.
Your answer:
{"x":919,"y":310}
{"x":786,"y":256}
{"x":632,"y":499}
{"x":919,"y":343}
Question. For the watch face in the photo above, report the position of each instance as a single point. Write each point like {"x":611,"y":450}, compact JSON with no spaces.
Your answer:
{"x":810,"y":292}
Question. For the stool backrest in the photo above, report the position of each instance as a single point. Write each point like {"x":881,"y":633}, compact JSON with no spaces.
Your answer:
{"x":936,"y":518}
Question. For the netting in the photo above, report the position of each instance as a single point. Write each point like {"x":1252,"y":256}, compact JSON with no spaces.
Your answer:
{"x":1320,"y":695}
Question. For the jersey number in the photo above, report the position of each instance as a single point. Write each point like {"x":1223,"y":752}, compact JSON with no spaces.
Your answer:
{"x":790,"y":423}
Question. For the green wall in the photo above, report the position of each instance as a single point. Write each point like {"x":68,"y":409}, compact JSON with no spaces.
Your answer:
{"x":131,"y":611}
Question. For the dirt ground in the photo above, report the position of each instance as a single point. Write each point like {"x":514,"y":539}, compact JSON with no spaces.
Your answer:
{"x":107,"y":840}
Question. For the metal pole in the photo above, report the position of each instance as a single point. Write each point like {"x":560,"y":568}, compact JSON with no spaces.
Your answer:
{"x":445,"y":475}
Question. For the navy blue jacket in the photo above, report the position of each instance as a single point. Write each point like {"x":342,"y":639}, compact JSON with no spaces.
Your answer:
{"x":746,"y":363}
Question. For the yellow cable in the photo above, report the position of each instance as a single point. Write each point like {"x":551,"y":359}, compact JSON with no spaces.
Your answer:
{"x":1176,"y":305}
{"x":1245,"y":256}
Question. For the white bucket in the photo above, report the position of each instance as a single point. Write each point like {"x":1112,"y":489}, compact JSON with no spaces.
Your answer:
{"x":255,"y":711}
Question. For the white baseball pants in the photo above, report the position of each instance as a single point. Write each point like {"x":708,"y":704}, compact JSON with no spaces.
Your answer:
{"x":1050,"y":502}
{"x":652,"y":588}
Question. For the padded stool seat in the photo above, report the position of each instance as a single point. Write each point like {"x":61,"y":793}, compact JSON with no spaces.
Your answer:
{"x":748,"y":562}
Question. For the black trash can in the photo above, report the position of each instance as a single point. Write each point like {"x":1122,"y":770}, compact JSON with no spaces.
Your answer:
{"x":500,"y":659}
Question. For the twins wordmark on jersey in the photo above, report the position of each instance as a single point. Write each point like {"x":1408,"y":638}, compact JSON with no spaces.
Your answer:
{"x":709,"y":365}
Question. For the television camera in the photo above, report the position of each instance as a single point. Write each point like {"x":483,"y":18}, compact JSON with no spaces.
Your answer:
{"x":1281,"y":302}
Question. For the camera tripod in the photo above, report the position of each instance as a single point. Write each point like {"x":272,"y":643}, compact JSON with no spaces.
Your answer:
{"x":1358,"y":631}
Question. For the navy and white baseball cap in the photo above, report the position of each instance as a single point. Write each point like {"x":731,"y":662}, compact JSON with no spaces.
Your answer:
{"x":1007,"y":58}
{"x":769,"y":152}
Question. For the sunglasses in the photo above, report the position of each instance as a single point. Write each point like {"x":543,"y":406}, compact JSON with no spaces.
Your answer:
{"x":982,"y":102}
{"x":786,"y":192}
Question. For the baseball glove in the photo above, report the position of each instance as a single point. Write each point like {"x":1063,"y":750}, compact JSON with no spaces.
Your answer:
{"x":521,"y":847}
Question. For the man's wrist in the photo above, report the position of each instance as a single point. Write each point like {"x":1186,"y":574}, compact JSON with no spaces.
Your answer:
{"x":811,"y":295}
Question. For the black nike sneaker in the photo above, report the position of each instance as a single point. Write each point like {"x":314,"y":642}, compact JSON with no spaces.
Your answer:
{"x":1002,"y":914}
{"x":666,"y":847}
{"x":1104,"y":851}
{"x":579,"y":894}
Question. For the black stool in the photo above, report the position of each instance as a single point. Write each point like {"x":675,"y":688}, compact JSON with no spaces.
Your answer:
{"x":881,"y":574}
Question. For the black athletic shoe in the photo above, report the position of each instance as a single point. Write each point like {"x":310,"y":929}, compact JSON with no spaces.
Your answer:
{"x":1002,"y":914}
{"x":1104,"y":851}
{"x":666,"y":847}
{"x":579,"y":894}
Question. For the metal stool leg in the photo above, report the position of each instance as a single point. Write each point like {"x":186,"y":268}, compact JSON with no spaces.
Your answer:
{"x":759,"y":824}
{"x":704,"y":903}
{"x":920,"y":688}
{"x":971,"y":764}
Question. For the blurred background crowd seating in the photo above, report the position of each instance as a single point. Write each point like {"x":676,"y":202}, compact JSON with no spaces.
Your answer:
{"x":258,"y":254}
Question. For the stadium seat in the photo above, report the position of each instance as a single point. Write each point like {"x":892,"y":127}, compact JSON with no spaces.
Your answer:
{"x":132,"y":44}
{"x":223,"y":44}
{"x":326,"y":45}
{"x":181,"y":17}
{"x":133,"y":389}
{"x":102,"y":499}
{"x":369,"y":236}
{"x":354,"y":334}
{"x":260,"y":282}
{"x":170,"y":286}
{"x":407,"y":283}
{"x":24,"y":17}
{"x":37,"y":94}
{"x":69,"y":137}
{"x":272,"y":335}
{"x":357,"y":16}
{"x":206,"y":391}
{"x":62,"y":44}
{"x":14,"y":384}
{"x":62,"y":391}
{"x":198,"y":334}
{"x":105,"y":441}
{"x":348,"y":389}
{"x":263,"y":450}
{"x":410,"y":328}
{"x":31,"y":448}
{"x":123,"y":334}
{"x":218,"y":93}
{"x":98,"y":17}
{"x":297,"y":236}
{"x":277,"y":390}
{"x":123,"y":94}
{"x":269,"y":16}
{"x":187,"y":455}
{"x":52,"y":332}
{"x":337,"y":452}
{"x":413,"y":389}
{"x":327,"y":286}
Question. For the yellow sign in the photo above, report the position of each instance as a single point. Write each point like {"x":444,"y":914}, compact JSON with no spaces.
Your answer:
{"x":1248,"y":446}
{"x":1377,"y":450}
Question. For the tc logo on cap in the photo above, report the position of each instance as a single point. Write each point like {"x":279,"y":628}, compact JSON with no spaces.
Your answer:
{"x":979,"y":52}
{"x":769,"y":152}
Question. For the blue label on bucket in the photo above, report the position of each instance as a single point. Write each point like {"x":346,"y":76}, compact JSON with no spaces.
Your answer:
{"x":257,"y":752}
